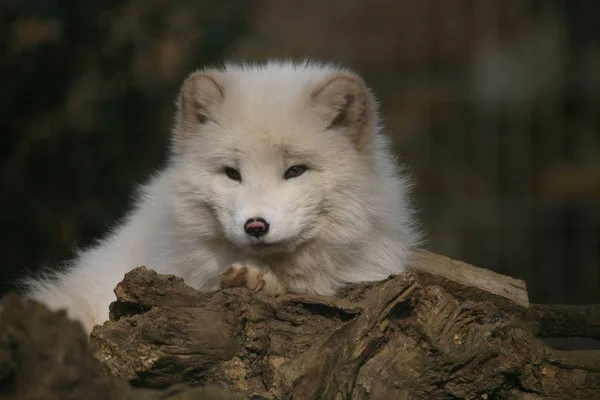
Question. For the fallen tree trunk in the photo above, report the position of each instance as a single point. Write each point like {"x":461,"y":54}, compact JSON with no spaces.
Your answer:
{"x":45,"y":356}
{"x":443,"y":329}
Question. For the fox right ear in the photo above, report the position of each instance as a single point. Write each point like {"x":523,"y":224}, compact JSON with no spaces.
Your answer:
{"x":200,"y":95}
{"x":344,"y":101}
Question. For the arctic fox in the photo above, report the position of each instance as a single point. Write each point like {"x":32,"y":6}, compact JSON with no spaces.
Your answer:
{"x":279,"y":179}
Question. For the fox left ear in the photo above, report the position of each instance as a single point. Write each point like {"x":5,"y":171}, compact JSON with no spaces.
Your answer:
{"x":345,"y":102}
{"x":199,"y":98}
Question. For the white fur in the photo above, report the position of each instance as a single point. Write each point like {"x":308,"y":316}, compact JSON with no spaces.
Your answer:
{"x":347,"y":219}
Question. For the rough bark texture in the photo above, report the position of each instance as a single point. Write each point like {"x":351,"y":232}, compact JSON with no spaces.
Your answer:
{"x":442,"y":330}
{"x":46,"y":356}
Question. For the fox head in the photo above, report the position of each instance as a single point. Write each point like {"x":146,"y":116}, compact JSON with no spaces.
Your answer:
{"x":271,"y":157}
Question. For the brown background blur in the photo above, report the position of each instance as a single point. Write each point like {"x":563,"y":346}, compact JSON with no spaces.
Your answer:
{"x":493,"y":104}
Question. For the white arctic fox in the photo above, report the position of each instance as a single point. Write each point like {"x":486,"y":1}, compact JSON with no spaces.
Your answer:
{"x":279,"y":180}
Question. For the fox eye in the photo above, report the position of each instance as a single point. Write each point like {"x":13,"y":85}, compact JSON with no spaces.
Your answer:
{"x":233,"y":174}
{"x":295,"y":171}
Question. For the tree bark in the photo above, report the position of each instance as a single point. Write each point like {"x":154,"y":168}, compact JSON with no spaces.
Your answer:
{"x":443,"y":329}
{"x":45,"y":356}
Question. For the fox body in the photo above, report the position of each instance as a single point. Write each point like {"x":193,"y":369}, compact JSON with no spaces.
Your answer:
{"x":279,"y":179}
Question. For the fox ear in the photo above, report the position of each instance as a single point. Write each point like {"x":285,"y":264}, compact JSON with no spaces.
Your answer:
{"x":199,"y":96}
{"x":345,"y":103}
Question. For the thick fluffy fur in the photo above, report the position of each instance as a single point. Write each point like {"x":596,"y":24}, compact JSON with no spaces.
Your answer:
{"x":345,"y":219}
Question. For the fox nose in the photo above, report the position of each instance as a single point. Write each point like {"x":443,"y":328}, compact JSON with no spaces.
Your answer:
{"x":256,"y":227}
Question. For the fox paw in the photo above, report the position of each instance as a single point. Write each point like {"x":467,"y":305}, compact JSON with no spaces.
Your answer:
{"x":252,"y":277}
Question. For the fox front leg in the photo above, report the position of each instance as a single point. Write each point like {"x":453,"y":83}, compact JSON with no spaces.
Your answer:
{"x":253,"y":276}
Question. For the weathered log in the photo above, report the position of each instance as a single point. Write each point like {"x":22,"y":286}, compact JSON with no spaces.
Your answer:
{"x":557,"y":320}
{"x":46,"y":356}
{"x":443,"y":329}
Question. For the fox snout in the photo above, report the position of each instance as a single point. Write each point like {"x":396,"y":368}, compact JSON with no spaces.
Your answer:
{"x":256,"y":227}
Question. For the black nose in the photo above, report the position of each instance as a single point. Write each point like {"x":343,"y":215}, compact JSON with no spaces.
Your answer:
{"x":256,"y":227}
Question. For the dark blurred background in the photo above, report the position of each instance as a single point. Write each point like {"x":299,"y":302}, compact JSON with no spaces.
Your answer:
{"x":493,"y":104}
